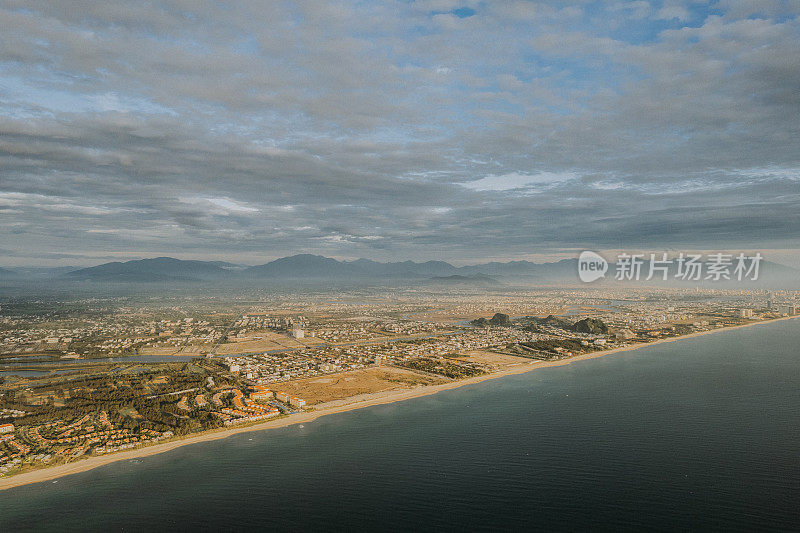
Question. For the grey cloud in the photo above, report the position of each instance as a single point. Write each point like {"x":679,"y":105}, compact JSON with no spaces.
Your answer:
{"x":368,"y":120}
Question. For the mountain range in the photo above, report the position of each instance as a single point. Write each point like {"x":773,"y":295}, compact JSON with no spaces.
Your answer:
{"x":157,"y":269}
{"x":316,"y":267}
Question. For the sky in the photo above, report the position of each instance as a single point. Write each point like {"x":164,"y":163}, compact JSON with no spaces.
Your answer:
{"x":463,"y":131}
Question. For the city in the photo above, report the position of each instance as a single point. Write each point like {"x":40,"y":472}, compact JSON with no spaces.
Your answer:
{"x":91,"y":377}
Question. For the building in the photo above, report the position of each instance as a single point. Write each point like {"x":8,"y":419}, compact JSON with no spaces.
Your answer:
{"x":745,"y":313}
{"x":787,"y":309}
{"x":6,"y":428}
{"x":296,"y":402}
{"x":264,"y":394}
{"x":298,"y":333}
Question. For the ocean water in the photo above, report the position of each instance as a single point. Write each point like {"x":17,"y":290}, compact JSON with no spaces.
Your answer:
{"x":699,"y":434}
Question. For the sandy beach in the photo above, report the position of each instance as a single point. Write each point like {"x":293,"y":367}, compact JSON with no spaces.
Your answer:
{"x":338,"y":406}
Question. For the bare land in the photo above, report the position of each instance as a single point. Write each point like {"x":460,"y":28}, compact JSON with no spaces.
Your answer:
{"x":493,"y":360}
{"x":332,"y":387}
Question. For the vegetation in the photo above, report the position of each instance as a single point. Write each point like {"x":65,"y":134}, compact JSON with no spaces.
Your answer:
{"x":443,"y":367}
{"x":595,"y":326}
{"x":547,"y":349}
{"x":558,"y":345}
{"x":552,"y":321}
{"x":145,"y":400}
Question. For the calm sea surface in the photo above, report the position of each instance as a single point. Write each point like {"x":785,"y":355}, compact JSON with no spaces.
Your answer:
{"x":697,"y":434}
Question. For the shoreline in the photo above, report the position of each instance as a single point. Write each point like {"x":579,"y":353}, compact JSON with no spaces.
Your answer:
{"x":333,"y":407}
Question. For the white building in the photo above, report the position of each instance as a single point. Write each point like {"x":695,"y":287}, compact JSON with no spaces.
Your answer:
{"x":296,"y":402}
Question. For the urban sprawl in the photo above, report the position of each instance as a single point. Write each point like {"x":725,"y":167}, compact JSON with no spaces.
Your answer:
{"x":93,"y":376}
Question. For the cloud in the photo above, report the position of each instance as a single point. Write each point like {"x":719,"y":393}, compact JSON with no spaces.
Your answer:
{"x":516,"y":181}
{"x":222,"y":206}
{"x":673,"y":10}
{"x":396,"y":129}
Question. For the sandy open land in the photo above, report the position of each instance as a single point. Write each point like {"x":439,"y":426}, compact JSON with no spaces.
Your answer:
{"x":342,"y":385}
{"x":336,"y":406}
{"x":496,"y":361}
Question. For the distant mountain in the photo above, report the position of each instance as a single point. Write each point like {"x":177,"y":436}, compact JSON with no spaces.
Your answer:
{"x":146,"y":270}
{"x":298,"y":266}
{"x":428,"y":268}
{"x":308,"y":267}
{"x":543,"y":273}
{"x":39,"y":273}
{"x":320,"y":267}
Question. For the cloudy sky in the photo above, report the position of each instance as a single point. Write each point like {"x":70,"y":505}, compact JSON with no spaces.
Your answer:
{"x":429,"y":129}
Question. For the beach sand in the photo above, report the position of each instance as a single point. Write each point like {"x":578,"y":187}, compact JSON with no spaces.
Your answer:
{"x":337,"y":406}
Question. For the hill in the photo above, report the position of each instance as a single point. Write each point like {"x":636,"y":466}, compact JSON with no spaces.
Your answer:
{"x":297,"y":266}
{"x":311,"y":268}
{"x":320,"y":267}
{"x":148,"y":270}
{"x":594,"y":326}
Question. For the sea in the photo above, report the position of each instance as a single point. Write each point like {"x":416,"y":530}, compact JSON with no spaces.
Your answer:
{"x":701,"y":434}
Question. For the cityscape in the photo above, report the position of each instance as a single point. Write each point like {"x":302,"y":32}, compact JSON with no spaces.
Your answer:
{"x":82,"y":378}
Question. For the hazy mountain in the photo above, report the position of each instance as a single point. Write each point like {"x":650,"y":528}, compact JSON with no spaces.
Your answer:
{"x":317,"y":267}
{"x":556,"y":272}
{"x":428,"y":268}
{"x":298,"y":266}
{"x":39,"y":273}
{"x":145,"y":270}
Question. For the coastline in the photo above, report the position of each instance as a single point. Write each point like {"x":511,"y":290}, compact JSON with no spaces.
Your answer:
{"x":337,"y":406}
